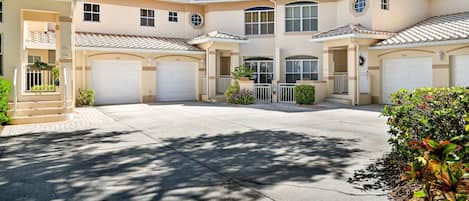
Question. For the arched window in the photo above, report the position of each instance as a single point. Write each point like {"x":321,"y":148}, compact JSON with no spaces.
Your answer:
{"x":301,"y":67}
{"x":263,"y":68}
{"x":359,"y":6}
{"x":301,"y":16}
{"x":259,"y":21}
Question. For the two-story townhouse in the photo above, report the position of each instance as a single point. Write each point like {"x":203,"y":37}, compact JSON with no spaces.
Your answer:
{"x":353,"y":51}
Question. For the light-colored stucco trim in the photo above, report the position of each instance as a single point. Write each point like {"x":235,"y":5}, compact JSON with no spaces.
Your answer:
{"x":347,"y":36}
{"x":425,"y":44}
{"x":220,"y":40}
{"x":138,"y":50}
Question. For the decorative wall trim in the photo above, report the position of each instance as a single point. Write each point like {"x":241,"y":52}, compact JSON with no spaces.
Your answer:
{"x":234,"y":53}
{"x":79,"y":68}
{"x":185,"y":56}
{"x":65,"y":19}
{"x":407,"y":50}
{"x":212,"y":77}
{"x":373,"y":67}
{"x":212,"y":52}
{"x":66,"y":61}
{"x":201,"y":69}
{"x":440,"y":66}
{"x":115,"y":53}
{"x":330,"y":78}
{"x":148,"y":68}
{"x":456,"y":49}
{"x":352,"y":78}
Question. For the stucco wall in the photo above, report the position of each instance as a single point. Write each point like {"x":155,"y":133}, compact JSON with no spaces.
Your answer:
{"x":444,"y":7}
{"x":401,"y":14}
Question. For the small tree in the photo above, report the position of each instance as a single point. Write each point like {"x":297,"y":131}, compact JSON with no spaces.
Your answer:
{"x":243,"y":71}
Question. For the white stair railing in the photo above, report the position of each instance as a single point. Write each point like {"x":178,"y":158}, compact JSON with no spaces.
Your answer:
{"x":286,"y":93}
{"x":65,"y":87}
{"x":39,"y":80}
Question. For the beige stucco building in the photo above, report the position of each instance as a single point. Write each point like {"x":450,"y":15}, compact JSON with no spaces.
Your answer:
{"x":353,"y":51}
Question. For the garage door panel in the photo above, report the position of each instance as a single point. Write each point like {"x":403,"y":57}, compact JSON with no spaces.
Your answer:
{"x":460,"y":70}
{"x":116,"y":82}
{"x":176,"y":81}
{"x":406,"y":73}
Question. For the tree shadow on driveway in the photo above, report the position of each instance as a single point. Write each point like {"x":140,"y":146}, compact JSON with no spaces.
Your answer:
{"x":47,"y":166}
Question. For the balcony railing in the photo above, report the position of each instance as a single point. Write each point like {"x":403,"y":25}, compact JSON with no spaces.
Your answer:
{"x":39,"y":80}
{"x":341,"y":83}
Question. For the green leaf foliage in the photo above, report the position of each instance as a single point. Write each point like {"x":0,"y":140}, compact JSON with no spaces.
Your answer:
{"x":5,"y":87}
{"x":85,"y":97}
{"x":243,"y":71}
{"x":304,"y":94}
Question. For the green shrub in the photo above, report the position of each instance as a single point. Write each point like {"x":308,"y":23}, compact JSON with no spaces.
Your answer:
{"x":5,"y":87}
{"x":436,"y":113}
{"x":243,"y":71}
{"x":244,"y":97}
{"x":304,"y":94}
{"x":233,"y":89}
{"x":44,"y":87}
{"x":85,"y":97}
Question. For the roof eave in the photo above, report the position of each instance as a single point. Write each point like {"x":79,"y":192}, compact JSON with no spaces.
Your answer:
{"x":355,"y":35}
{"x":423,"y":44}
{"x":221,"y":40}
{"x":42,"y":46}
{"x":139,"y":50}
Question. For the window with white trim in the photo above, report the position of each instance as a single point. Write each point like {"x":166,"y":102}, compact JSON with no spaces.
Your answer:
{"x":385,"y":4}
{"x":1,"y":11}
{"x":197,"y":20}
{"x":173,"y":16}
{"x":301,"y":17}
{"x":147,"y":17}
{"x":301,"y":68}
{"x":263,"y":69}
{"x":359,"y":6}
{"x":33,"y":59}
{"x":91,"y":12}
{"x":259,"y":21}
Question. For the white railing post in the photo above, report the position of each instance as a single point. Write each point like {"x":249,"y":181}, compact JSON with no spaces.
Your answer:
{"x":286,"y":93}
{"x":15,"y":91}
{"x":65,"y":87}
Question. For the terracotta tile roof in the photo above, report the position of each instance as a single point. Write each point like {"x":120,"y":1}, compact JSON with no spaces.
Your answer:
{"x":41,"y":37}
{"x":348,"y":30}
{"x":102,"y":40}
{"x":217,"y":35}
{"x":434,"y":29}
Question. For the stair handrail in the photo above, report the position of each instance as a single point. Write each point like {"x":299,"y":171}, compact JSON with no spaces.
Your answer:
{"x":15,"y":90}
{"x":65,"y":87}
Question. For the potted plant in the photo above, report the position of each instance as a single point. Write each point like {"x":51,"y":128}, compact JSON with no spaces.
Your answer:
{"x":243,"y":72}
{"x":55,"y":76}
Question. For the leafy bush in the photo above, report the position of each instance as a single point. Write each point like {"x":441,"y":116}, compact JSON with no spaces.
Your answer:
{"x":55,"y":75}
{"x":243,"y":71}
{"x":429,"y":130}
{"x":45,"y":87}
{"x":304,"y":94}
{"x":5,"y":87}
{"x":85,"y":97}
{"x":244,"y":97}
{"x":233,"y":89}
{"x":437,"y":113}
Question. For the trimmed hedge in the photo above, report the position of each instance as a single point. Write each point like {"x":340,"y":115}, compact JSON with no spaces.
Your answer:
{"x":85,"y":97}
{"x":304,"y":94}
{"x":5,"y":87}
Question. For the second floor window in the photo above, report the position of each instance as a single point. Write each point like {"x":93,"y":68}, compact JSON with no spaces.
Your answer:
{"x":301,"y":16}
{"x":147,"y":18}
{"x":173,"y":16}
{"x":33,"y":59}
{"x":259,"y":21}
{"x":91,"y":12}
{"x":385,"y":4}
{"x":1,"y":11}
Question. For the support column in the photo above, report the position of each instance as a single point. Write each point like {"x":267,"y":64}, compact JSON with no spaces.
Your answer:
{"x":65,"y":53}
{"x":352,"y":72}
{"x":277,"y":74}
{"x":234,"y":63}
{"x":328,"y":70}
{"x":212,"y":73}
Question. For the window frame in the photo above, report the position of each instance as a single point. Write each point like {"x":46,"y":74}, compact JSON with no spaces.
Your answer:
{"x":91,"y":12}
{"x":257,"y":73}
{"x":173,"y":16}
{"x":301,"y":72}
{"x":302,"y":18}
{"x":191,"y":17}
{"x":356,"y":6}
{"x":1,"y":10}
{"x":147,"y":19}
{"x":35,"y":57}
{"x":385,"y":4}
{"x":259,"y":11}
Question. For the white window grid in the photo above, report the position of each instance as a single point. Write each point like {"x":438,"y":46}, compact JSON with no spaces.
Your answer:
{"x":92,"y":12}
{"x":258,"y":72}
{"x":173,"y":16}
{"x":196,"y":20}
{"x":359,"y":5}
{"x":147,"y":17}
{"x":301,"y":17}
{"x":259,"y":21}
{"x":1,"y":11}
{"x":33,"y":59}
{"x":301,"y":71}
{"x":385,"y":4}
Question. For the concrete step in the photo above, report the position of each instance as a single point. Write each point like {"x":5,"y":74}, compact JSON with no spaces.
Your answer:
{"x":40,"y":119}
{"x":218,"y":99}
{"x":341,"y":100}
{"x":40,"y":111}
{"x":39,"y":104}
{"x":40,"y":97}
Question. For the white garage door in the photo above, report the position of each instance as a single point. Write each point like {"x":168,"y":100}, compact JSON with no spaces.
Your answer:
{"x":176,"y":81}
{"x":407,"y":73}
{"x":460,"y":71}
{"x":116,"y":82}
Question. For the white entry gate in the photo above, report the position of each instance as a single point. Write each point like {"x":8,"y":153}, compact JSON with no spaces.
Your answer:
{"x":263,"y":93}
{"x":286,"y":93}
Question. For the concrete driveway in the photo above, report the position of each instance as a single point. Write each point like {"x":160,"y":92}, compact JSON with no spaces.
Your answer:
{"x":193,"y":151}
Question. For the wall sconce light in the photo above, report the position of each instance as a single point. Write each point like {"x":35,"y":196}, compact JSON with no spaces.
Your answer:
{"x":440,"y":55}
{"x":150,"y":61}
